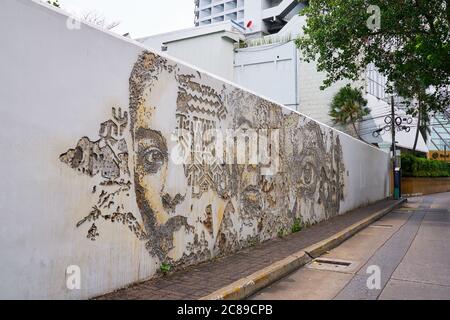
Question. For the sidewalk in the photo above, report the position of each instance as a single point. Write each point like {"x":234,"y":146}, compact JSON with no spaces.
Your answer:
{"x":203,"y":279}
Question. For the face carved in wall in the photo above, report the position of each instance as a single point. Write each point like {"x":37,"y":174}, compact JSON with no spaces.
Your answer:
{"x":205,"y":205}
{"x":319,"y":176}
{"x":156,"y":204}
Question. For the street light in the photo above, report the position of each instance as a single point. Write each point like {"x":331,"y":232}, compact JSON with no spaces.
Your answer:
{"x":397,"y":172}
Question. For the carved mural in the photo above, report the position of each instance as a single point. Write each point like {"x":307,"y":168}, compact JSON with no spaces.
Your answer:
{"x":213,"y":168}
{"x":200,"y":109}
{"x":107,"y":158}
{"x":318,"y":181}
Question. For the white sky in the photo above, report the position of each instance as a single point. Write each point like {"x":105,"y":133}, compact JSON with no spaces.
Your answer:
{"x":138,"y":17}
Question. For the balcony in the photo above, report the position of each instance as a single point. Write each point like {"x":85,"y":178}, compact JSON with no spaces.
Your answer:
{"x":278,"y":8}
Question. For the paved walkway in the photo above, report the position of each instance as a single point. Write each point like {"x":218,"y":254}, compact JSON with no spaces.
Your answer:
{"x":409,"y":246}
{"x":201,"y":280}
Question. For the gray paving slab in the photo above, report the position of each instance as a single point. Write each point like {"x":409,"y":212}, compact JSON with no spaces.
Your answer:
{"x":428,"y":259}
{"x":407,"y":290}
{"x":305,"y":284}
{"x":410,"y":245}
{"x":308,"y":283}
{"x":387,"y":258}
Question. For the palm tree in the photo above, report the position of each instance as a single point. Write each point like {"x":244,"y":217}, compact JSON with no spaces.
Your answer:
{"x":348,"y":107}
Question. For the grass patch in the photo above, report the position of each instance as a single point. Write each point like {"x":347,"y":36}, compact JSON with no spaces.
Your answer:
{"x":297,"y":226}
{"x":165,"y":268}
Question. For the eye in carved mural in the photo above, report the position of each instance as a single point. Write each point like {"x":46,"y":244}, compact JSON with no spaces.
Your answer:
{"x":107,"y":158}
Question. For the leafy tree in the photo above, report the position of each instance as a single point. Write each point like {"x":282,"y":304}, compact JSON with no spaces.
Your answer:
{"x":348,"y":107}
{"x":410,"y":46}
{"x":92,"y":17}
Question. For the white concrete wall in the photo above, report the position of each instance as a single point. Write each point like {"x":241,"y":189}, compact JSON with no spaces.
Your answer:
{"x":313,"y":101}
{"x":270,"y":70}
{"x":58,"y":85}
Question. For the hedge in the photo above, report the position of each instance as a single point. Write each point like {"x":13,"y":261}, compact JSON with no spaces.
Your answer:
{"x":413,"y":166}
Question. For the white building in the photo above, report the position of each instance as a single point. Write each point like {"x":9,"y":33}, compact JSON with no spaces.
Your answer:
{"x":268,"y":63}
{"x":209,"y":47}
{"x":272,"y":66}
{"x":259,"y":17}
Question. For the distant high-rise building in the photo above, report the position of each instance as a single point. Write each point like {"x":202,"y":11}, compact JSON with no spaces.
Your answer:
{"x":259,"y":17}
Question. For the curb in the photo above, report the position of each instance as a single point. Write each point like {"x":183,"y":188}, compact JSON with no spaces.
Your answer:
{"x":249,"y":285}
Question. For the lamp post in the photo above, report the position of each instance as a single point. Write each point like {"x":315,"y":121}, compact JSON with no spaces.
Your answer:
{"x":397,"y":174}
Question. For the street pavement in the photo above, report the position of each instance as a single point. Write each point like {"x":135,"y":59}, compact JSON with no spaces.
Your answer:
{"x":201,"y":280}
{"x":410,"y":248}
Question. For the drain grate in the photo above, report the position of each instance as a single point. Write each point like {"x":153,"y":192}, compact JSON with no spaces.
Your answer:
{"x":332,"y":265}
{"x":333,"y":262}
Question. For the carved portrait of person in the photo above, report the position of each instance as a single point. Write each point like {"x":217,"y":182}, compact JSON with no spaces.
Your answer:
{"x":317,"y":170}
{"x":182,"y":203}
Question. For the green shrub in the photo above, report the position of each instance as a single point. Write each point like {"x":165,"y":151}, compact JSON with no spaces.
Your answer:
{"x":413,"y":166}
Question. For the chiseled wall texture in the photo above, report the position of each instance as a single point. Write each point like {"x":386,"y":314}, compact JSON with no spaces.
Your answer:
{"x":112,"y":161}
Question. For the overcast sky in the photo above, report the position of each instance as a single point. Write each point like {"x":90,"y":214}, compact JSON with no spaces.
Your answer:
{"x":138,"y":17}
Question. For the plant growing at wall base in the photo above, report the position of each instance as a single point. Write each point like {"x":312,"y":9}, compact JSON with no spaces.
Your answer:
{"x":281,"y":233}
{"x":165,"y":268}
{"x":348,"y":107}
{"x":297,"y":226}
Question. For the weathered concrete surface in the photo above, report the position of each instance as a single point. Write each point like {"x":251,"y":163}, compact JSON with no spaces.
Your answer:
{"x":112,"y":161}
{"x":410,"y":245}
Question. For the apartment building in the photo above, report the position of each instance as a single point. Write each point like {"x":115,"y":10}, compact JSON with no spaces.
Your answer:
{"x":259,"y":17}
{"x":251,"y":43}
